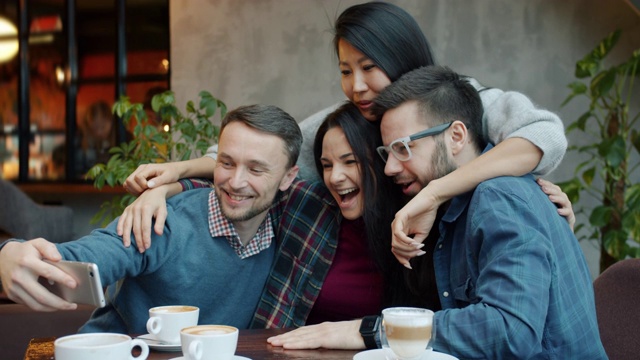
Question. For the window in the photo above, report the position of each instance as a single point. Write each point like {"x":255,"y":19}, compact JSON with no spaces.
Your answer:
{"x":56,"y":95}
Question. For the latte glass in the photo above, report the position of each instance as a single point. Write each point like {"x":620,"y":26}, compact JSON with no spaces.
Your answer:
{"x":209,"y":342}
{"x":165,"y":322}
{"x":406,"y":332}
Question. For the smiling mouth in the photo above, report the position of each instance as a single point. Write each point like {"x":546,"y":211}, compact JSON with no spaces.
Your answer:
{"x":236,"y":197}
{"x":348,"y":194}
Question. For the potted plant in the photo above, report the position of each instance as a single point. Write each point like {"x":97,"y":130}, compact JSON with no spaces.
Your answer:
{"x":181,"y":137}
{"x":607,"y":175}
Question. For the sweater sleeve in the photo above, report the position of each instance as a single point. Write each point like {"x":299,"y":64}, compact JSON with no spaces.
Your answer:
{"x":309,"y":127}
{"x":509,"y":114}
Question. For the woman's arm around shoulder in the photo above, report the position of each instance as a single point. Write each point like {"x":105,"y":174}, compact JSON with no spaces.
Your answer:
{"x":509,"y":114}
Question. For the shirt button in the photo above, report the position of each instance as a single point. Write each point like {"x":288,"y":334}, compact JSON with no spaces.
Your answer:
{"x":445,"y":294}
{"x":439,"y":246}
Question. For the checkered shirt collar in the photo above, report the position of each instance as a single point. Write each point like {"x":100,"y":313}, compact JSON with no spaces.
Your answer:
{"x":220,"y":226}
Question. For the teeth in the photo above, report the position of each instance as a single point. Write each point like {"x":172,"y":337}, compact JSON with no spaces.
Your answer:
{"x":238,"y":198}
{"x":346,"y":191}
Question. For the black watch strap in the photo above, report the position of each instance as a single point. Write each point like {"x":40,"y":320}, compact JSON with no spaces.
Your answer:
{"x":369,"y":331}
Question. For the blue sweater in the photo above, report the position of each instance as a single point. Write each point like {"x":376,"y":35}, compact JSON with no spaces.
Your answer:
{"x":185,"y":265}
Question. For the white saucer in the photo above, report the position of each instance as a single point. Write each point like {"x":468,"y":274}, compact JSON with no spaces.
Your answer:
{"x":379,"y":354}
{"x":153,"y":344}
{"x":235,"y":357}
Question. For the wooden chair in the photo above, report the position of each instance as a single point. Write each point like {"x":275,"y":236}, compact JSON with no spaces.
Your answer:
{"x":617,"y":296}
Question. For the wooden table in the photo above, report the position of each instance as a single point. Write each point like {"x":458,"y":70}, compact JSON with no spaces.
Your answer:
{"x":251,"y":344}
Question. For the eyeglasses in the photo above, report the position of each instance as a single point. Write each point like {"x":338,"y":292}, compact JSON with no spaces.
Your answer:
{"x":400,"y":147}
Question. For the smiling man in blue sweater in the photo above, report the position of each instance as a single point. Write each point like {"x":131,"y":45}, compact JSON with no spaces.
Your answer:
{"x":220,"y":268}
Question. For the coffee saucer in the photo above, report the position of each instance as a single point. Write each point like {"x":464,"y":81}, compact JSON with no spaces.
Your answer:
{"x":380,"y":354}
{"x":159,"y":345}
{"x":235,"y":357}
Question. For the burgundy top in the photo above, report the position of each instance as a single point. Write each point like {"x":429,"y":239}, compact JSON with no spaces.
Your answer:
{"x":353,"y":286}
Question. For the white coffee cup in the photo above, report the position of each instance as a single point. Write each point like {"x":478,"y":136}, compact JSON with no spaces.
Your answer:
{"x":165,"y":322}
{"x":99,"y":346}
{"x":406,"y":332}
{"x":208,"y":342}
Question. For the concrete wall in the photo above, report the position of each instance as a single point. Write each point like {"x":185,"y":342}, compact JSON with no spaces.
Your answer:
{"x":279,"y":51}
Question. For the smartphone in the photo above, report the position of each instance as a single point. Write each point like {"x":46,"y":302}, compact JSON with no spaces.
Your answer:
{"x":89,"y":287}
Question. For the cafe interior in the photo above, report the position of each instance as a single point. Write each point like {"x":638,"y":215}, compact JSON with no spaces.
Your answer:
{"x":63,"y":64}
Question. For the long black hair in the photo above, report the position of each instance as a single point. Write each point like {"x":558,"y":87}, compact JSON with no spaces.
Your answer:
{"x":381,"y":197}
{"x":387,"y":35}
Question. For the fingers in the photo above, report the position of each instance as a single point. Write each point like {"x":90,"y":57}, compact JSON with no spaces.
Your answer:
{"x":332,"y":335}
{"x":404,"y":247}
{"x":560,"y":199}
{"x":161,"y":217}
{"x":124,"y":226}
{"x":22,"y":265}
{"x":46,"y":249}
{"x":137,"y":182}
{"x":150,"y":176}
{"x":301,"y":338}
{"x":142,"y":228}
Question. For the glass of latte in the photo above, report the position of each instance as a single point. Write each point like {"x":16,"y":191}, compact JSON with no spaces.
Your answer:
{"x":406,"y":332}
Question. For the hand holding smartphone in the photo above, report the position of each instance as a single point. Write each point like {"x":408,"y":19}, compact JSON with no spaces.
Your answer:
{"x":89,"y":287}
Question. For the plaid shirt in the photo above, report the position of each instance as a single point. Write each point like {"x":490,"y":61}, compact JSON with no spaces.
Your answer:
{"x":308,"y":224}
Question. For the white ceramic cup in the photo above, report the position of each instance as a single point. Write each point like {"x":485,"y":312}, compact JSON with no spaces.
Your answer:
{"x":165,"y":322}
{"x":406,"y":332}
{"x":209,"y":342}
{"x":98,"y":346}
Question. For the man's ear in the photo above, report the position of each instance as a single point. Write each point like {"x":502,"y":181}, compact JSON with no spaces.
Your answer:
{"x":288,"y":178}
{"x":458,"y":137}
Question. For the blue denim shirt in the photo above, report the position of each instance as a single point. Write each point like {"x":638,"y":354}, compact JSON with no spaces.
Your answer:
{"x":512,"y":279}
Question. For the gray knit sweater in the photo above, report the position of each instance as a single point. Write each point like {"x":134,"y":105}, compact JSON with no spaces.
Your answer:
{"x":507,"y":114}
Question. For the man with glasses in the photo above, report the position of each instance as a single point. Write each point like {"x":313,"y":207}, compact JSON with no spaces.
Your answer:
{"x":512,"y":279}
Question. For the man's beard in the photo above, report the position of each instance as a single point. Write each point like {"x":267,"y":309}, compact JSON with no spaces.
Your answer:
{"x":442,"y":163}
{"x":248,"y":214}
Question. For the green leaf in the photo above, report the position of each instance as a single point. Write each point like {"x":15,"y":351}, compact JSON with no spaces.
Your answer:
{"x":600,"y":216}
{"x":586,"y":68}
{"x":632,"y":66}
{"x":635,"y":139}
{"x":590,"y":64}
{"x":603,"y":82}
{"x":614,"y":151}
{"x":614,"y":242}
{"x":191,"y":108}
{"x":588,"y":175}
{"x":632,"y":197}
{"x":581,"y":123}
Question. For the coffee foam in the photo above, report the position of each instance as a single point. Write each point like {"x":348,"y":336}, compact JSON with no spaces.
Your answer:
{"x":408,"y":321}
{"x":209,"y":330}
{"x":173,"y":309}
{"x":94,"y":340}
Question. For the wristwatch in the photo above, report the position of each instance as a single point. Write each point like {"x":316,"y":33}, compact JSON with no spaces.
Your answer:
{"x":369,"y":331}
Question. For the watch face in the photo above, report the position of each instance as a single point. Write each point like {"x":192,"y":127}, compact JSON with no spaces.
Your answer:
{"x":369,"y":324}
